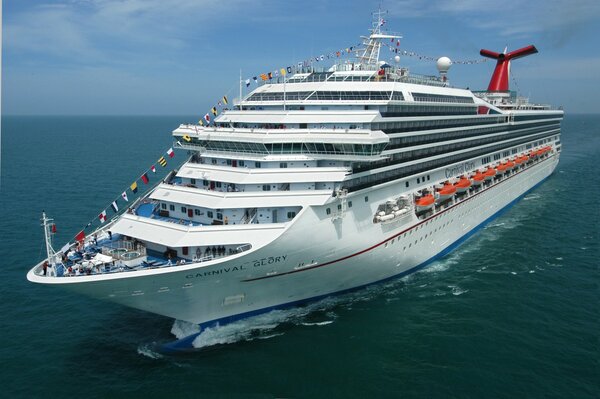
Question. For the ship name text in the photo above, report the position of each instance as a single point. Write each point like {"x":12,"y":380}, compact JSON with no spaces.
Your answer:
{"x":244,"y":266}
{"x":459,"y":169}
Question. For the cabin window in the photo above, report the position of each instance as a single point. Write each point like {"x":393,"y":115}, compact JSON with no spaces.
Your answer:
{"x":193,"y":181}
{"x":197,"y":212}
{"x":172,"y":207}
{"x":407,"y":184}
{"x":291,"y":215}
{"x":241,"y":163}
{"x":349,"y":204}
{"x":205,"y":182}
{"x":266,"y":187}
{"x":339,"y":207}
{"x":283,"y":164}
{"x":367,"y":198}
{"x":257,"y":164}
{"x":183,"y":209}
{"x":328,"y":211}
{"x":209,"y":214}
{"x":219,"y":216}
{"x":163,"y":206}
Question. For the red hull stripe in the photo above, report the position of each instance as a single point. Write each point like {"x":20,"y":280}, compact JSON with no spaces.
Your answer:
{"x":386,"y":240}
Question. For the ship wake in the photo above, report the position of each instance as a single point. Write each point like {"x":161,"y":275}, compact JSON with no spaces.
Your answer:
{"x":265,"y":326}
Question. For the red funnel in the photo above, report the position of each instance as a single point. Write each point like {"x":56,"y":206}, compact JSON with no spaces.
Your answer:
{"x":499,"y":81}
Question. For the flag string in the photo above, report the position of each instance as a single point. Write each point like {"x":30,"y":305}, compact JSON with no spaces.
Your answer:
{"x":132,"y":189}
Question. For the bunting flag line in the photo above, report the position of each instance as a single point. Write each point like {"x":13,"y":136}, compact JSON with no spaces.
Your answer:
{"x":429,"y":58}
{"x":145,"y":178}
{"x":162,"y":161}
{"x":225,"y":101}
{"x":114,"y":206}
{"x":102,"y":216}
{"x":54,"y":227}
{"x":170,"y":153}
{"x":200,"y":122}
{"x":153,"y":169}
{"x":207,"y":119}
{"x":187,"y":138}
{"x":134,"y":187}
{"x":247,"y":82}
{"x":124,"y":196}
{"x":214,"y":111}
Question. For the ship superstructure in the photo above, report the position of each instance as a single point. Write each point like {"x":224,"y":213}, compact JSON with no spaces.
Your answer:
{"x":315,"y":183}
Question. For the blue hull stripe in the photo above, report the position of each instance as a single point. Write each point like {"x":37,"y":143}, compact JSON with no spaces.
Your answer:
{"x":186,"y":343}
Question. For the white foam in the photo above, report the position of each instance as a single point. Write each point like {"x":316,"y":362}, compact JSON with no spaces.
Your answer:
{"x":146,"y":350}
{"x":456,"y":290}
{"x":262,"y":326}
{"x":513,"y":272}
{"x":320,"y":323}
{"x":182,"y":329}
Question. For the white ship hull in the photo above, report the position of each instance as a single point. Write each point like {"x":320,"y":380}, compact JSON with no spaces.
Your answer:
{"x":316,"y":256}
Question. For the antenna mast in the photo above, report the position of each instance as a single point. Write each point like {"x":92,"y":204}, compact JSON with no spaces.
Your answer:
{"x":372,"y":43}
{"x":48,"y":231}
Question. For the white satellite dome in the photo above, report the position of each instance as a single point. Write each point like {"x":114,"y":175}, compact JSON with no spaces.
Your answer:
{"x":443,"y":64}
{"x":397,"y":59}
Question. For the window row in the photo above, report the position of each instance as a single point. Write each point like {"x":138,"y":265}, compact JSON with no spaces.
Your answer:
{"x":383,"y":177}
{"x":440,"y":98}
{"x":292,"y":148}
{"x":400,"y":142}
{"x":327,"y":96}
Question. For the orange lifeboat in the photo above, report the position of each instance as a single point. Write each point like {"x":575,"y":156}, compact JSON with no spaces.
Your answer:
{"x":502,"y":167}
{"x":462,"y":185}
{"x":446,"y":192}
{"x":510,"y":165}
{"x":424,"y":203}
{"x":478,"y":178}
{"x":518,"y":161}
{"x":489,"y":173}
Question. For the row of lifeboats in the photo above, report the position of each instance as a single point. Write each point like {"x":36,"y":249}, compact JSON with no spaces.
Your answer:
{"x":477,"y":178}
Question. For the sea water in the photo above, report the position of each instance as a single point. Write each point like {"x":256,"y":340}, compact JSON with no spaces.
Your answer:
{"x":513,"y":312}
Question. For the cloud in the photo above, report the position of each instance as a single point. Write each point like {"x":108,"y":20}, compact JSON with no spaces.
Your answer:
{"x":509,"y":18}
{"x":109,"y":30}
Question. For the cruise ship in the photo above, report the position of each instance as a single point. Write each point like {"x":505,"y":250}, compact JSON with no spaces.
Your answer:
{"x":313,"y":184}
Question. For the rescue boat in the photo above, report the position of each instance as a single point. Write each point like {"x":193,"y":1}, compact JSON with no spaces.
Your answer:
{"x":489,"y":173}
{"x":425,"y":203}
{"x":462,"y":185}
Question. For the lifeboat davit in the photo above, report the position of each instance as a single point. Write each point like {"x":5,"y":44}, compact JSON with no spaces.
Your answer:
{"x":478,"y":178}
{"x":462,"y":185}
{"x":446,"y":192}
{"x":489,"y":173}
{"x":424,"y":203}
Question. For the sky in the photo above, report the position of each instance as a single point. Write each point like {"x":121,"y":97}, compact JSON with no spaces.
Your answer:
{"x":178,"y":57}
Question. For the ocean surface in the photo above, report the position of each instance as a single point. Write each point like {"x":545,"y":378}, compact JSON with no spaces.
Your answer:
{"x":513,"y":312}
